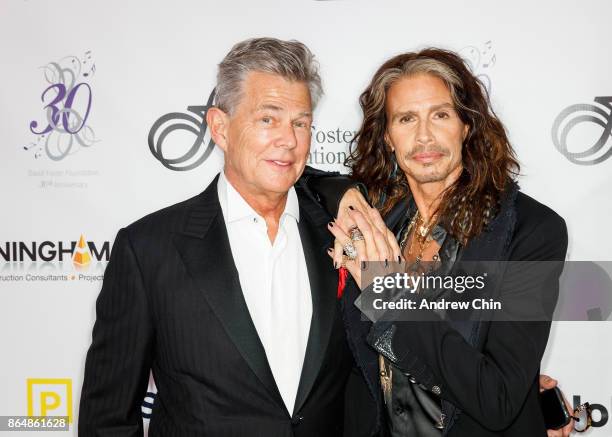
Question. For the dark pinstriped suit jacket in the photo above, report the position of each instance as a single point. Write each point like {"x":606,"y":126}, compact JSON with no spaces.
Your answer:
{"x":171,"y":302}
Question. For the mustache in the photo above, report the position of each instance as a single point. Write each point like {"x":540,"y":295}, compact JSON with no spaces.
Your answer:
{"x":435,"y":148}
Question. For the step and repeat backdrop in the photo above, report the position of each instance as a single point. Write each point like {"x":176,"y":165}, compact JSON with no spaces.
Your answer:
{"x":130,"y":83}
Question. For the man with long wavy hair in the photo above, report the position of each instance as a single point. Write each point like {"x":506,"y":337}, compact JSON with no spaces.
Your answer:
{"x":438,"y":166}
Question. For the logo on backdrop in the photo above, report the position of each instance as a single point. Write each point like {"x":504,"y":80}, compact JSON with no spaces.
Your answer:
{"x":193,"y":123}
{"x":71,"y":260}
{"x":330,"y":147}
{"x":63,"y":128}
{"x":597,"y":117}
{"x":146,"y":408}
{"x":585,"y":291}
{"x":80,"y":251}
{"x":600,"y":412}
{"x":480,"y":59}
{"x":49,"y":397}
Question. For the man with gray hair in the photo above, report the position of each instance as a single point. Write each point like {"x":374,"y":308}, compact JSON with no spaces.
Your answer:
{"x":229,"y":297}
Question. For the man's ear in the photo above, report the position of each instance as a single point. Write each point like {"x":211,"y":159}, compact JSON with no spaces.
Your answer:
{"x":218,"y":123}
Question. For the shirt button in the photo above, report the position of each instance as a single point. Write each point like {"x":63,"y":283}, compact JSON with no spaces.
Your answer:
{"x":436,"y":390}
{"x":295,"y":421}
{"x":399,"y":410}
{"x":255,"y":220}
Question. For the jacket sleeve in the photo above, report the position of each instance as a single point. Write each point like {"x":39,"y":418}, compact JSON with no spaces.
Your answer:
{"x":329,"y":187}
{"x":492,"y":383}
{"x":119,"y":359}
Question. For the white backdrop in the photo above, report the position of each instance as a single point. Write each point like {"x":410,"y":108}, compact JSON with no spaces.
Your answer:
{"x":154,"y":58}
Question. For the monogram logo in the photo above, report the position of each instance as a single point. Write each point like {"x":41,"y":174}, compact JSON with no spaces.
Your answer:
{"x":575,"y":115}
{"x":195,"y":124}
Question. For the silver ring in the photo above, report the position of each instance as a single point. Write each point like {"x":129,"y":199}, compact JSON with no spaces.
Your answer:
{"x":355,"y":234}
{"x":350,"y":251}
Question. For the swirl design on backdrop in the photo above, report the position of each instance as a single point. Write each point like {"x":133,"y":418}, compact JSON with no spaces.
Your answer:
{"x":574,"y":115}
{"x":66,"y":126}
{"x":480,"y":60}
{"x":196,"y":154}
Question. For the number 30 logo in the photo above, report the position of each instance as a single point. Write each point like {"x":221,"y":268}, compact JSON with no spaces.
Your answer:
{"x":67,"y":106}
{"x":54,"y":111}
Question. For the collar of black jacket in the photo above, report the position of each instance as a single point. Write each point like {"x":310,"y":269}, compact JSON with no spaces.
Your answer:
{"x":499,"y":230}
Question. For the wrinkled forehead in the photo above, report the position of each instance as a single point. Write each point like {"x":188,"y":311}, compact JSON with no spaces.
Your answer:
{"x":275,"y":93}
{"x":418,"y":92}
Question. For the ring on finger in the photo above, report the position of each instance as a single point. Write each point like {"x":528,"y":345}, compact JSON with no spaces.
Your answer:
{"x":350,"y":251}
{"x":356,"y":234}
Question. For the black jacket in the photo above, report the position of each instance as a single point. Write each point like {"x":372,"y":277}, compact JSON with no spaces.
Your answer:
{"x":171,"y":302}
{"x":486,"y":373}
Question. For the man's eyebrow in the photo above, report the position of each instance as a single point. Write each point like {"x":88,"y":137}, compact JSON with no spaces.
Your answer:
{"x":445,"y":105}
{"x":269,"y":107}
{"x":274,"y":108}
{"x":400,"y":114}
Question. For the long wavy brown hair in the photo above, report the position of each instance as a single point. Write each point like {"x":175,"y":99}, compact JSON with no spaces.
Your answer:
{"x":489,"y":161}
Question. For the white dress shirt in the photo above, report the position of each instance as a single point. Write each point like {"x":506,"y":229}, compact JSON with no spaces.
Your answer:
{"x":274,"y":281}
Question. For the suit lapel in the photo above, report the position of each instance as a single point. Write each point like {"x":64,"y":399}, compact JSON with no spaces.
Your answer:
{"x":205,"y":250}
{"x":315,"y":241}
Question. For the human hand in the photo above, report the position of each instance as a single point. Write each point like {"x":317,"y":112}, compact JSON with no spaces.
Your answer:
{"x":372,"y":240}
{"x":546,"y":382}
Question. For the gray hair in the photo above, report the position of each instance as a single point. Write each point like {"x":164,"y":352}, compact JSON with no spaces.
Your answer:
{"x":289,"y":59}
{"x":414,"y":67}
